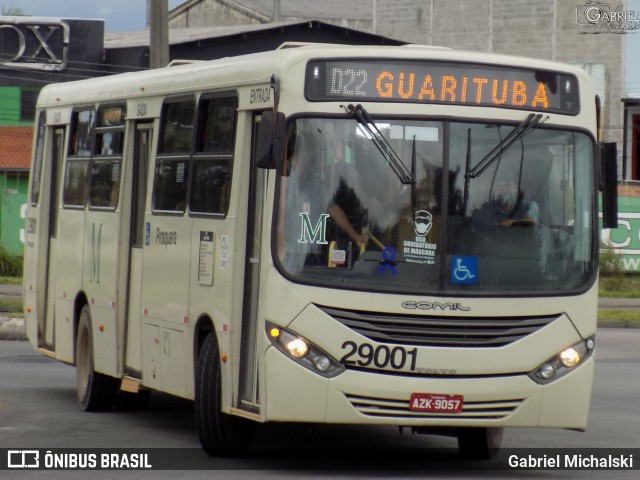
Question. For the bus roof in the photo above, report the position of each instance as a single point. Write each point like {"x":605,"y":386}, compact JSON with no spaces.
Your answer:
{"x":258,"y":67}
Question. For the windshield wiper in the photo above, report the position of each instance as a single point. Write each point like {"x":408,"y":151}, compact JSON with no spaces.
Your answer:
{"x":384,"y":147}
{"x":521,"y":130}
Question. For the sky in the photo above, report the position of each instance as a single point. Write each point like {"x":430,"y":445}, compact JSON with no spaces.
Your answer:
{"x":119,"y":15}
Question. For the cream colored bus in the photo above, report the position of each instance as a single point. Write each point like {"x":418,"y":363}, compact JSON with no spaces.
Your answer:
{"x":325,"y":234}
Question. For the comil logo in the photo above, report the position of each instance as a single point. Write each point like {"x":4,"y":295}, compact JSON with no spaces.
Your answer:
{"x":23,"y":459}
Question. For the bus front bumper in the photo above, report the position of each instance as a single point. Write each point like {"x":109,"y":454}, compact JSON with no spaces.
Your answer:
{"x":295,"y":394}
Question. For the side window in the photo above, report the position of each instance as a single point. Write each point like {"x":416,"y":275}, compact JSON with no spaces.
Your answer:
{"x":213,"y":159}
{"x":172,"y":164}
{"x":77,"y":171}
{"x":36,"y":168}
{"x":107,"y":159}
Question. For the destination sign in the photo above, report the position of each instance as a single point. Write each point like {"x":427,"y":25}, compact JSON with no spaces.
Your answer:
{"x":442,"y":83}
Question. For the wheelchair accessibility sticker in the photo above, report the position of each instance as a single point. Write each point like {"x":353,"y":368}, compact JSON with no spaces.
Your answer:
{"x":464,"y":270}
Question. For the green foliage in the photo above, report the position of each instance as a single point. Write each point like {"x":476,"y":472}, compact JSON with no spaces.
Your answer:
{"x":610,"y":262}
{"x":10,"y":265}
{"x":626,"y":317}
{"x":620,"y":286}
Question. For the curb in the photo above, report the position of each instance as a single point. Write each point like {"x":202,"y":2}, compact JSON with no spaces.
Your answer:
{"x":618,"y":324}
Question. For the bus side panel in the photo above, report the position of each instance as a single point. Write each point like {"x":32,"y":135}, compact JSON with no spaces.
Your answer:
{"x":40,"y":241}
{"x":134,"y":326}
{"x":68,"y":278}
{"x":35,"y":251}
{"x":216,"y":291}
{"x":165,"y":296}
{"x":100,"y":277}
{"x":211,"y":284}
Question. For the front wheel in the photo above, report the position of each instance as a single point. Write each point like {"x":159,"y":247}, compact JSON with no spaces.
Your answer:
{"x":96,"y":392}
{"x":480,"y":443}
{"x":220,"y":434}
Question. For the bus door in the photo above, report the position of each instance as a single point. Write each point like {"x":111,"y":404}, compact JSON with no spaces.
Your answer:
{"x":47,"y":336}
{"x":140,"y":174}
{"x":249,"y":391}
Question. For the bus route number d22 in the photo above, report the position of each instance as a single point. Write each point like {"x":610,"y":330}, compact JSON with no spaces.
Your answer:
{"x":381,"y":356}
{"x":348,"y":81}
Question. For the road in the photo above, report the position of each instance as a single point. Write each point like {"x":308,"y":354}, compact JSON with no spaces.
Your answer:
{"x":38,"y":409}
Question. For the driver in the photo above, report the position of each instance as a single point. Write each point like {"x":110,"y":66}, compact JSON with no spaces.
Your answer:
{"x":506,"y":207}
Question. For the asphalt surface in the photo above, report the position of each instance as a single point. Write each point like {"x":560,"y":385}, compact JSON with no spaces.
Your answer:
{"x":13,"y":328}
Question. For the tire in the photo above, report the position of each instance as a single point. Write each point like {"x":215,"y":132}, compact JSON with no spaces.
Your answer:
{"x":96,"y":391}
{"x":220,"y":434}
{"x":480,"y":443}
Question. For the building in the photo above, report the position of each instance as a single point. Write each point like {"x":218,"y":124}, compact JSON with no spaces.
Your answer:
{"x":354,"y":14}
{"x":15,"y":158}
{"x":208,"y":43}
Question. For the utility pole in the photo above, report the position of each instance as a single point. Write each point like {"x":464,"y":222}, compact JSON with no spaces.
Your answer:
{"x":276,"y":10}
{"x":158,"y":19}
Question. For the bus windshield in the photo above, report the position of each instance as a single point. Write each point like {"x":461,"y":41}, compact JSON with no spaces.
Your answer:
{"x":466,"y":216}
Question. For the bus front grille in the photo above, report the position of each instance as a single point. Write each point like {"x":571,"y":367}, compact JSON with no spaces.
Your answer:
{"x":399,"y":408}
{"x":439,"y":331}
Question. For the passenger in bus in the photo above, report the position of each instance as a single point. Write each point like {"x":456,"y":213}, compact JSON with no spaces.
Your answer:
{"x":346,"y":209}
{"x":306,"y":203}
{"x":507,"y":207}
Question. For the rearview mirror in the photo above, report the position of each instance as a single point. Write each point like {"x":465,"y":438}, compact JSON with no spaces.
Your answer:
{"x":271,"y":140}
{"x":609,"y":184}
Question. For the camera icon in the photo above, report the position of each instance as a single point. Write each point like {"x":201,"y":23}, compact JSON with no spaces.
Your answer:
{"x":592,"y":12}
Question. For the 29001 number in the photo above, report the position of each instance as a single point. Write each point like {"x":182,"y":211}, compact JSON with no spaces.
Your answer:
{"x":382,"y":356}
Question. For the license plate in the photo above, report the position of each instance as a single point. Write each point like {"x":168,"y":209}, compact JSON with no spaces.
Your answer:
{"x":436,"y":402}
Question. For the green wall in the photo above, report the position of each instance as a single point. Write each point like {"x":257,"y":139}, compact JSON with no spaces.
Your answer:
{"x":13,"y":203}
{"x":625,"y":240}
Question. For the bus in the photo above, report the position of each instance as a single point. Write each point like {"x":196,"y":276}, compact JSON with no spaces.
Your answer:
{"x":330,"y":234}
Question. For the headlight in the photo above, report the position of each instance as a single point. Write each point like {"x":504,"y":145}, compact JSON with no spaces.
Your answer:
{"x":303,"y":352}
{"x":562,"y":363}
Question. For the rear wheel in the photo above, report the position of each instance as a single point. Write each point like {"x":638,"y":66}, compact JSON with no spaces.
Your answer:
{"x":220,"y":434}
{"x":96,"y":391}
{"x":480,"y":443}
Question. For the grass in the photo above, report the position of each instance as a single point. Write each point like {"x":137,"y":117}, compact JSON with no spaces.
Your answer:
{"x":10,"y":265}
{"x":625,"y":316}
{"x":11,"y":308}
{"x":620,"y":286}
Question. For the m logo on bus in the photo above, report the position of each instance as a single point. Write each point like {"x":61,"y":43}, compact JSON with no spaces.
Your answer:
{"x":317,"y":234}
{"x":96,"y":241}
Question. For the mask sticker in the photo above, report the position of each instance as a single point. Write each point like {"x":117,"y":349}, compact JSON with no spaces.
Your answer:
{"x":422,"y":223}
{"x":420,"y":250}
{"x":464,"y":270}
